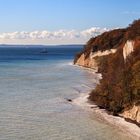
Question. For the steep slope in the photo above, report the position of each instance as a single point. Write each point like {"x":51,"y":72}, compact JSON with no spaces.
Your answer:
{"x":116,"y":55}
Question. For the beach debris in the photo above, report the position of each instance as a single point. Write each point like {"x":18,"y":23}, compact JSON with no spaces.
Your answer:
{"x":69,"y":100}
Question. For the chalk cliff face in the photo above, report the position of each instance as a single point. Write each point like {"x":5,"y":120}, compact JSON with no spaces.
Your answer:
{"x":128,"y":48}
{"x":133,"y":114}
{"x":116,"y":55}
{"x":92,"y":60}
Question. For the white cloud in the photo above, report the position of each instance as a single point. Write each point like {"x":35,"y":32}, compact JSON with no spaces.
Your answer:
{"x":131,"y":12}
{"x":47,"y":37}
{"x":94,"y":31}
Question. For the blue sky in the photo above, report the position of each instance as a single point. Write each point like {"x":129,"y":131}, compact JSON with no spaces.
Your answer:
{"x":54,"y":15}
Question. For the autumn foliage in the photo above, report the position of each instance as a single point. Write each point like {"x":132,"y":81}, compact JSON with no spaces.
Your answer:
{"x":120,"y":86}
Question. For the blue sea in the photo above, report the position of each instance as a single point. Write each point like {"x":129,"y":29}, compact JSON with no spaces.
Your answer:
{"x":34,"y":84}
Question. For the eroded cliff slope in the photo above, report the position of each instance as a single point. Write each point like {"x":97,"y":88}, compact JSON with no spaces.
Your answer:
{"x":116,"y":55}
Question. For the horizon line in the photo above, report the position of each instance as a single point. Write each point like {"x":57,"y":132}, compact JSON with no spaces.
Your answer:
{"x":41,"y":44}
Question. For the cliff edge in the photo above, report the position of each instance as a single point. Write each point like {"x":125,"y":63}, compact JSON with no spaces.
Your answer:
{"x":116,"y":55}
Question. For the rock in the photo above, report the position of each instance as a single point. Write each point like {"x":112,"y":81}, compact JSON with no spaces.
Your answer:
{"x":132,"y":114}
{"x":69,"y":100}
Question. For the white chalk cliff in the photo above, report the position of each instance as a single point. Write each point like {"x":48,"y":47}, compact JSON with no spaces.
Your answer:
{"x":91,"y":62}
{"x":128,"y":48}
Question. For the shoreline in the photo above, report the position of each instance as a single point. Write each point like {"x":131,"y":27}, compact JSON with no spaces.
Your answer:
{"x":131,"y":129}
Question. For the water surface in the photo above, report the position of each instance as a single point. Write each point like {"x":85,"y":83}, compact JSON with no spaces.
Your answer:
{"x":33,"y":91}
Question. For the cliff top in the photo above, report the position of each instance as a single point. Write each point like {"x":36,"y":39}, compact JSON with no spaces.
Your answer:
{"x":113,"y":38}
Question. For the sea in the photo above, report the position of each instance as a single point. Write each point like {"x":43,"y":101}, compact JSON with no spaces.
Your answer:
{"x":35,"y":83}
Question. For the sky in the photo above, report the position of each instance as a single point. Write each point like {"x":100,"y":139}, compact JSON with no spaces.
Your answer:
{"x":62,"y":21}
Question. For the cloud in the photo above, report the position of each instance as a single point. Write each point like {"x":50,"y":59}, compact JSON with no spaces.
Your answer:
{"x":131,"y":12}
{"x":94,"y":31}
{"x":48,"y":37}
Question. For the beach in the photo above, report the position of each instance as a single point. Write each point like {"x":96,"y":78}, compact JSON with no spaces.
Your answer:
{"x":130,"y":129}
